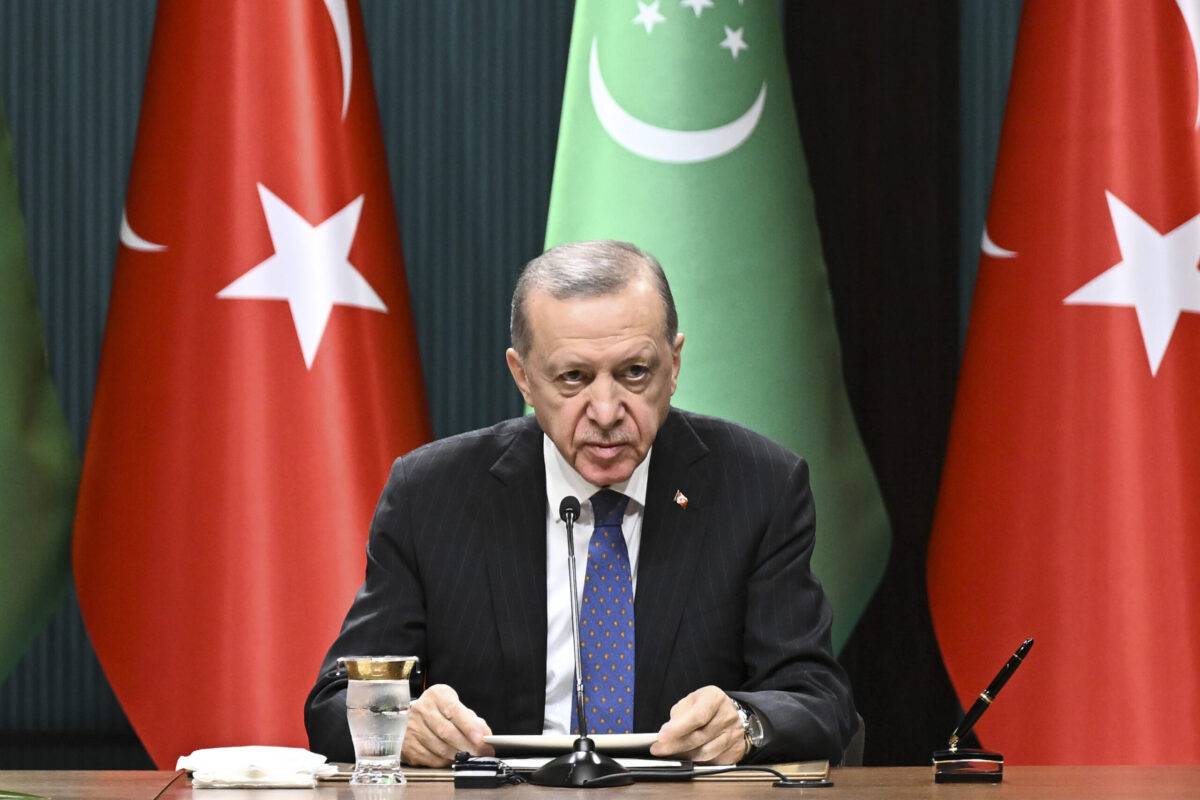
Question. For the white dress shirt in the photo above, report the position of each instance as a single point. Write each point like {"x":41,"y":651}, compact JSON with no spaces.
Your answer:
{"x":563,"y":480}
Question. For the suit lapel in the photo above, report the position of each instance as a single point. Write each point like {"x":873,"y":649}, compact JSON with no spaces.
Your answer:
{"x":668,"y":557}
{"x":516,"y":561}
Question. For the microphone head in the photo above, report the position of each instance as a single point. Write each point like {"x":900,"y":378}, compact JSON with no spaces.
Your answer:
{"x":569,"y":506}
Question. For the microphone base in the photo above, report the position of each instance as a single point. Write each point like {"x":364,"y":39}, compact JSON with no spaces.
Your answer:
{"x":582,"y":768}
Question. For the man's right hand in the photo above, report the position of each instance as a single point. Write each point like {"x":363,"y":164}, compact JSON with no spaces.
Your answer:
{"x":439,"y":726}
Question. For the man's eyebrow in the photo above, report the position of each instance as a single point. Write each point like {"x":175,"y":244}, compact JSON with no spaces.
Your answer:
{"x":569,"y":361}
{"x":647,"y":354}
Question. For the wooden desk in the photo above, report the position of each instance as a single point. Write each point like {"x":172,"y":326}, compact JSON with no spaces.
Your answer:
{"x":865,"y":783}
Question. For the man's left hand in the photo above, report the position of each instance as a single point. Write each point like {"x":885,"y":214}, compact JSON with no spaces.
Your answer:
{"x":704,"y":727}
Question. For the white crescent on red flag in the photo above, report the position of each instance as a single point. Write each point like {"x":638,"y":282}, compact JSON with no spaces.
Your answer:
{"x":1069,"y":508}
{"x":259,"y":374}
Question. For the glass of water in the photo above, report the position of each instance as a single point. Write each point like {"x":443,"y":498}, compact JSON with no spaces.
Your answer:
{"x":377,"y":700}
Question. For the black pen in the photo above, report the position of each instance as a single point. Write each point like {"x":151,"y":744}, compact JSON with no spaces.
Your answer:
{"x":989,"y":694}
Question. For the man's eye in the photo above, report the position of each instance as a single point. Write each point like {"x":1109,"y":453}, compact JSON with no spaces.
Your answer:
{"x":571,"y":376}
{"x":637,"y":371}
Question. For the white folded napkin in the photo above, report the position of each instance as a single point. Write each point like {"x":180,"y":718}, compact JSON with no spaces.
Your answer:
{"x":254,"y":766}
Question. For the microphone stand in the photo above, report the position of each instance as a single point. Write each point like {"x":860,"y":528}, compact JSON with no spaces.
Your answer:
{"x":583,"y":765}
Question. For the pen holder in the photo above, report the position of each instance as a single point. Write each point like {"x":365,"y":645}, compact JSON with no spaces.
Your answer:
{"x":967,"y":765}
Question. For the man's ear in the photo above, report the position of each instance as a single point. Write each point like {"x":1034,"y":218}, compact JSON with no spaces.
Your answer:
{"x":520,"y":378}
{"x":675,"y":362}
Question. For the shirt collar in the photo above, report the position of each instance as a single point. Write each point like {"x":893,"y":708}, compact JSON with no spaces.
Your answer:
{"x":563,"y":480}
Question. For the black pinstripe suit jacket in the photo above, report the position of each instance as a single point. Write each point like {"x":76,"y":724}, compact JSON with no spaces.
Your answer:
{"x":456,"y":574}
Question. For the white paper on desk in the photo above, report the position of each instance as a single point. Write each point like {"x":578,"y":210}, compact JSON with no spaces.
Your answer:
{"x":627,"y":744}
{"x":537,"y":762}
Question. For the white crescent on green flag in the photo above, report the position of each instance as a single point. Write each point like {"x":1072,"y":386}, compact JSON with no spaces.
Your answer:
{"x":678,"y":134}
{"x":38,"y":467}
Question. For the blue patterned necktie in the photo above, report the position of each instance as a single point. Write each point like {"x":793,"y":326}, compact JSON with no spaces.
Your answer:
{"x":606,"y":622}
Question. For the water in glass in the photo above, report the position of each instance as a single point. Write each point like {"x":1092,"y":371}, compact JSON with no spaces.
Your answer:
{"x":377,"y":711}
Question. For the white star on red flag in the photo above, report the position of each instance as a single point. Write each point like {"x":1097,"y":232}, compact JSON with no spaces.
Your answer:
{"x":310,"y":269}
{"x":1156,"y":277}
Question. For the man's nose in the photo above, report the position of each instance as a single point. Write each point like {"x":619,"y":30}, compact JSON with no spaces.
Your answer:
{"x":606,"y":408}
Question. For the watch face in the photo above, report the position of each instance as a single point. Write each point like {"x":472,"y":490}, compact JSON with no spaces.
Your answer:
{"x":751,"y":724}
{"x":755,"y":729}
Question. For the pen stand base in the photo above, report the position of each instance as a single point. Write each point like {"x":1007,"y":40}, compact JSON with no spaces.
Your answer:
{"x":967,"y":765}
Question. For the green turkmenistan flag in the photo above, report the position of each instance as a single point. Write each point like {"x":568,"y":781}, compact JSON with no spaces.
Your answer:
{"x":38,"y":468}
{"x":678,"y":134}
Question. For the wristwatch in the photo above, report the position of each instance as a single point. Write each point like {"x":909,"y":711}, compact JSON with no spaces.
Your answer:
{"x":752,"y":727}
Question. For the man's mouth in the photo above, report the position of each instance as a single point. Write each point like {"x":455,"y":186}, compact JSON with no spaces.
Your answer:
{"x":605,"y":451}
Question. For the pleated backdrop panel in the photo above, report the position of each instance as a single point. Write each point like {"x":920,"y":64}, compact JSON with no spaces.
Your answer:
{"x":469,"y":94}
{"x":878,"y":88}
{"x":71,"y":74}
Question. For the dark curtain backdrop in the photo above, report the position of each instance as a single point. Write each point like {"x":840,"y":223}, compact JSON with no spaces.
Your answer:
{"x":899,"y":107}
{"x":876,"y":90}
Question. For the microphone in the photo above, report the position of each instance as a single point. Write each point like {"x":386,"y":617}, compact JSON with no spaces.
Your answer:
{"x":568,"y":510}
{"x":583,"y":766}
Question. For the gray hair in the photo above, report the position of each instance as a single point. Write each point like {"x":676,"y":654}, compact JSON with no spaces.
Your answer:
{"x":587,"y":269}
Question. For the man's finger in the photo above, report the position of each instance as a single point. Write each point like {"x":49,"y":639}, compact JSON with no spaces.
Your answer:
{"x":711,"y":750}
{"x":691,"y":713}
{"x":473,"y":728}
{"x":431,"y":742}
{"x":673,"y":740}
{"x":685,"y":702}
{"x":418,"y":755}
{"x":448,"y":733}
{"x":469,"y":724}
{"x":735,"y":753}
{"x":708,"y":703}
{"x":424,"y":748}
{"x":683,"y":740}
{"x":446,"y":738}
{"x":717,"y":702}
{"x":440,"y":698}
{"x":695,"y":721}
{"x":443,"y":725}
{"x":699,"y":710}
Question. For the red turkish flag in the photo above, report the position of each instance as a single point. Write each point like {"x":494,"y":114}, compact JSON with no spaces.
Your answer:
{"x":1069,"y":507}
{"x":259,"y":374}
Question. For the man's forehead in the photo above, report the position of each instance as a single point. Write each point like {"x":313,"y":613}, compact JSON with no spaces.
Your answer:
{"x":635,"y":300}
{"x":576,"y":352}
{"x":588,"y":322}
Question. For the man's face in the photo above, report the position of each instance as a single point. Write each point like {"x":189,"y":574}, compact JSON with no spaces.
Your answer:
{"x":599,"y":374}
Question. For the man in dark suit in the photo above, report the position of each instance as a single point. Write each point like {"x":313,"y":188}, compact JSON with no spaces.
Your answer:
{"x":700,"y":616}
